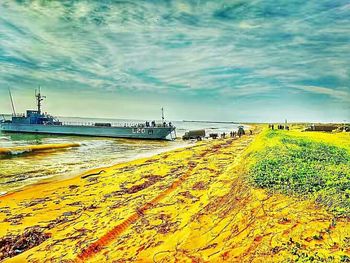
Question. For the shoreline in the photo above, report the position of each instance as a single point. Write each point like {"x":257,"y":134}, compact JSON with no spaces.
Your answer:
{"x":47,"y":179}
{"x":58,"y":178}
{"x":46,"y":205}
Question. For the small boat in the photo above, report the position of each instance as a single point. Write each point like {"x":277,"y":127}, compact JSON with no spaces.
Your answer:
{"x":35,"y":121}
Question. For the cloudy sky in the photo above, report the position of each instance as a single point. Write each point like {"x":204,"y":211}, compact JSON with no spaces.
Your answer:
{"x":237,"y":60}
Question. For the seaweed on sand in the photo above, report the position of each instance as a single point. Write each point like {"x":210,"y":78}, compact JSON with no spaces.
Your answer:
{"x":13,"y":245}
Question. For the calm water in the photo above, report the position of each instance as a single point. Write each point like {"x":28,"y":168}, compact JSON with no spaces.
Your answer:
{"x":21,"y":170}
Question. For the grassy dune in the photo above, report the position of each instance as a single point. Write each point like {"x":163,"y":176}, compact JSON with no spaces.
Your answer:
{"x":305,"y":166}
{"x":210,"y":202}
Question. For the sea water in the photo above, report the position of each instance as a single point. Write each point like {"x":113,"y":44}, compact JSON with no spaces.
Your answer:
{"x":20,"y":169}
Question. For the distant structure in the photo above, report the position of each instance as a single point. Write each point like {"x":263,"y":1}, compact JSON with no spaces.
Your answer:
{"x":322,"y":127}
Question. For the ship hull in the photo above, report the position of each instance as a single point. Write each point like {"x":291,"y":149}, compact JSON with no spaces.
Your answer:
{"x":153,"y":133}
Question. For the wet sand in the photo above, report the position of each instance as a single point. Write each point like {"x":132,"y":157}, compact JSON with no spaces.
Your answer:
{"x":186,"y":205}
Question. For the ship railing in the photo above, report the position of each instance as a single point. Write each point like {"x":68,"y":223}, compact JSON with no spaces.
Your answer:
{"x":69,"y":123}
{"x":18,"y":115}
{"x":116,"y":124}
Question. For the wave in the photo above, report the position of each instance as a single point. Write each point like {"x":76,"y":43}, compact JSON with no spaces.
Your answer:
{"x":35,"y":148}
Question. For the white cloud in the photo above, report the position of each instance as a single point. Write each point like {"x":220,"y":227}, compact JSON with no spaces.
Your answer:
{"x":343,"y":94}
{"x":256,"y":48}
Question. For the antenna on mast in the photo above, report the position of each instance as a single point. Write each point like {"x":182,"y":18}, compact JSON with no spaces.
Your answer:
{"x":13,"y":105}
{"x":162,"y":114}
{"x":39,"y":99}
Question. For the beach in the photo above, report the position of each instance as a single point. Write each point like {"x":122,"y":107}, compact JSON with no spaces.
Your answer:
{"x":174,"y":131}
{"x":194,"y":204}
{"x":21,"y":167}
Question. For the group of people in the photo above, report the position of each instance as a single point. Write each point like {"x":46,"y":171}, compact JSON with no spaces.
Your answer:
{"x":233,"y":134}
{"x":279,"y":127}
{"x":238,"y":133}
{"x":153,"y":124}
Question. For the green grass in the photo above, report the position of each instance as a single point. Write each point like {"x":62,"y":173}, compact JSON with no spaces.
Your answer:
{"x":304,"y":167}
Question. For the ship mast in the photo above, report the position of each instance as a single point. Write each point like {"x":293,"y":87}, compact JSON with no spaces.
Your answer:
{"x":39,"y":99}
{"x":13,"y":105}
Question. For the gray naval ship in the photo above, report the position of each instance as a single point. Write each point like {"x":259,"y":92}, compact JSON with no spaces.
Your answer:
{"x":35,"y":121}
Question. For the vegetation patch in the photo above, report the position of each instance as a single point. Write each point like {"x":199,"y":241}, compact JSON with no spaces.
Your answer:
{"x":305,"y":167}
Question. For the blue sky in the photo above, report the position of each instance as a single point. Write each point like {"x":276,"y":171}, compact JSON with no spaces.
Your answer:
{"x":259,"y":60}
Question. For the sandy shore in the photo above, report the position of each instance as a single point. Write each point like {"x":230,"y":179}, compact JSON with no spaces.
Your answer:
{"x":186,"y":205}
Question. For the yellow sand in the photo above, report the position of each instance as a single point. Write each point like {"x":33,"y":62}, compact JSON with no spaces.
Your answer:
{"x":36,"y":148}
{"x":212,"y":216}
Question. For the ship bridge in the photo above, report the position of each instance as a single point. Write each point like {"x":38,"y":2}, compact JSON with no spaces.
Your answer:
{"x":34,"y":117}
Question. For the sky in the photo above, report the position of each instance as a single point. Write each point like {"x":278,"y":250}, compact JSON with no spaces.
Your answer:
{"x":237,"y":60}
